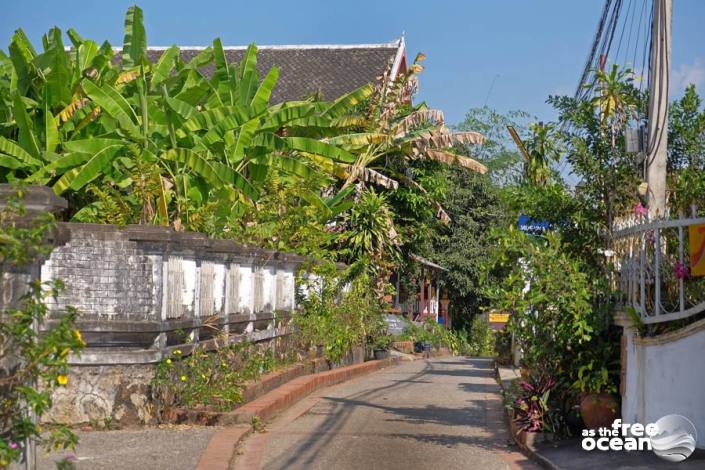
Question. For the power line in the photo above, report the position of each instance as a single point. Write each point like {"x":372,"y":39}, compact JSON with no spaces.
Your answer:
{"x":593,"y":49}
{"x":608,"y":42}
{"x":636,"y":42}
{"x":623,"y":30}
{"x":631,"y":29}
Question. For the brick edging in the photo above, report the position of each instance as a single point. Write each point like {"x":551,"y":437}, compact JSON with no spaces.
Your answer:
{"x":221,"y":447}
{"x":285,"y":395}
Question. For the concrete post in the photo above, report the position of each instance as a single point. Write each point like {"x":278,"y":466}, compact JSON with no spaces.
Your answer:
{"x":630,"y":375}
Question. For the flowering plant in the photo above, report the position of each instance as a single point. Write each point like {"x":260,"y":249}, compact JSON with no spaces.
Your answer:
{"x":33,"y":364}
{"x":639,"y":209}
{"x":681,"y":270}
{"x":531,"y":407}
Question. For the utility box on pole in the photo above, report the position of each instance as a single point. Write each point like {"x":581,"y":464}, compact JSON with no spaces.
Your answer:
{"x":634,"y":140}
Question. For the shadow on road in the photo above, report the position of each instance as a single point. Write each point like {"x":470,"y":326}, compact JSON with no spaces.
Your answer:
{"x":482,"y":412}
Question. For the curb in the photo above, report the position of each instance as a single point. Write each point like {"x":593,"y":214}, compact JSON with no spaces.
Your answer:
{"x":282,"y":397}
{"x":529,"y":451}
{"x":221,"y":448}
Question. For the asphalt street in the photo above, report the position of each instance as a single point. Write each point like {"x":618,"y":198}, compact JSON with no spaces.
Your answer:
{"x":437,"y":414}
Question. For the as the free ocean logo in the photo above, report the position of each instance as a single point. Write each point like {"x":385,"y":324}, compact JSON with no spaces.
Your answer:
{"x":672,"y":437}
{"x":675,"y":439}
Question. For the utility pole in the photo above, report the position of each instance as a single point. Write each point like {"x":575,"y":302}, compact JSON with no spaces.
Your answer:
{"x":659,"y":75}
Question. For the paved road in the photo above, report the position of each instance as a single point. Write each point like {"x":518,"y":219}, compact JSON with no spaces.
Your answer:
{"x":172,"y":448}
{"x":438,"y":414}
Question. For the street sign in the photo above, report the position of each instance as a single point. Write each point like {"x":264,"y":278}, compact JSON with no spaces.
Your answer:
{"x":498,"y":317}
{"x":532,"y":226}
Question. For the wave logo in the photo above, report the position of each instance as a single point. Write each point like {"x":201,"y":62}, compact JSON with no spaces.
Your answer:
{"x":674,"y":439}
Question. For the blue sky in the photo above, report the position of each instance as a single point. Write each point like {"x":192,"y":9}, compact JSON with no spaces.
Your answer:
{"x":529,"y":48}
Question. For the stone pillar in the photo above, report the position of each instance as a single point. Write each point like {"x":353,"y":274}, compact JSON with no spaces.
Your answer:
{"x":631,"y":372}
{"x":422,"y":299}
{"x":14,"y":280}
{"x":35,"y":200}
{"x":444,"y":311}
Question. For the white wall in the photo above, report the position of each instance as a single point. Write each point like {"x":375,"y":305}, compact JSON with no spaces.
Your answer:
{"x":666,"y":375}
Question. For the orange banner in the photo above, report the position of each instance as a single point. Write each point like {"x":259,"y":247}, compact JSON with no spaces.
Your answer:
{"x":696,"y":235}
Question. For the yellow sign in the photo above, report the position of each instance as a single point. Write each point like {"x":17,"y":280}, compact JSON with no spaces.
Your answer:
{"x":499,"y":317}
{"x":696,"y":235}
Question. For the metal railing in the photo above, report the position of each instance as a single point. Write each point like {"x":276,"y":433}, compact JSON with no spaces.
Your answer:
{"x":653,"y":272}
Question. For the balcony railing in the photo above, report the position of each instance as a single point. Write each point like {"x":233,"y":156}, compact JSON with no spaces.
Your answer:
{"x":653,"y":268}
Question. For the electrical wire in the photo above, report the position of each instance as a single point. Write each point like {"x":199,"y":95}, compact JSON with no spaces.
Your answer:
{"x":609,"y":44}
{"x":595,"y":44}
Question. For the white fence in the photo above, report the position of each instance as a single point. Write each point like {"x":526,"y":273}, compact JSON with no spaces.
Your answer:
{"x":652,"y":262}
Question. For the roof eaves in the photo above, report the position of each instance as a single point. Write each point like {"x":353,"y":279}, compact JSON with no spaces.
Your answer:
{"x":425,"y":262}
{"x":401,"y":52}
{"x":386,"y":45}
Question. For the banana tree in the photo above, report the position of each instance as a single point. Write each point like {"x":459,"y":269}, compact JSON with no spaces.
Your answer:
{"x":84,"y":117}
{"x":378,"y":124}
{"x":541,"y":150}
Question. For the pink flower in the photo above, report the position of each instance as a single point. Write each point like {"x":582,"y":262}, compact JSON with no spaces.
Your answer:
{"x":13,"y":445}
{"x":639,"y":209}
{"x":681,"y":270}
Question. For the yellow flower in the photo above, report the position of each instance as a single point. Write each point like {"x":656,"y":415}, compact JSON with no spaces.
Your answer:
{"x":168,"y":361}
{"x":77,"y":335}
{"x":176,"y":352}
{"x":62,"y":379}
{"x":183,"y":378}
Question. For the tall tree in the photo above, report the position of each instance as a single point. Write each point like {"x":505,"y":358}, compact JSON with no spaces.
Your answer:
{"x":686,"y":133}
{"x":498,"y":153}
{"x":474,"y":206}
{"x":542,"y":150}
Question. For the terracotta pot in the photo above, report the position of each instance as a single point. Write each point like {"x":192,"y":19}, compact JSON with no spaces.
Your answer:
{"x":524,"y":373}
{"x":598,"y":410}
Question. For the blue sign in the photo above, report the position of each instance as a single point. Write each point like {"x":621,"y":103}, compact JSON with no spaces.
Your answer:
{"x":532,"y":226}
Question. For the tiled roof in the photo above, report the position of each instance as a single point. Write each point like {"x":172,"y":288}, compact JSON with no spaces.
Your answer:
{"x":330,"y":71}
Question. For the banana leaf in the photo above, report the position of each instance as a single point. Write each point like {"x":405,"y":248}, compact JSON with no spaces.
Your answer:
{"x":78,"y":177}
{"x":312,"y":146}
{"x":135,"y":41}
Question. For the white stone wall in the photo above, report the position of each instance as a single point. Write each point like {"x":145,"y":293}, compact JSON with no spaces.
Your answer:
{"x":666,"y":375}
{"x":107,"y":276}
{"x":246,"y":287}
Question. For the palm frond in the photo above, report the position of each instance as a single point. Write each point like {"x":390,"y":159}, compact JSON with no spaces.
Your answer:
{"x":450,"y":158}
{"x":416,"y":119}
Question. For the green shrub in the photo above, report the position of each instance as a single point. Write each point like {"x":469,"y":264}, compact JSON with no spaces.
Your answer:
{"x":458,"y":342}
{"x":482,"y":338}
{"x":214,"y":379}
{"x":336,"y":319}
{"x":503,"y":346}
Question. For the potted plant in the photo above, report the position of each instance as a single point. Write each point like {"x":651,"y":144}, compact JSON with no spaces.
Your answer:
{"x":533,"y":415}
{"x":524,"y":370}
{"x":598,"y":400}
{"x":381,"y":346}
